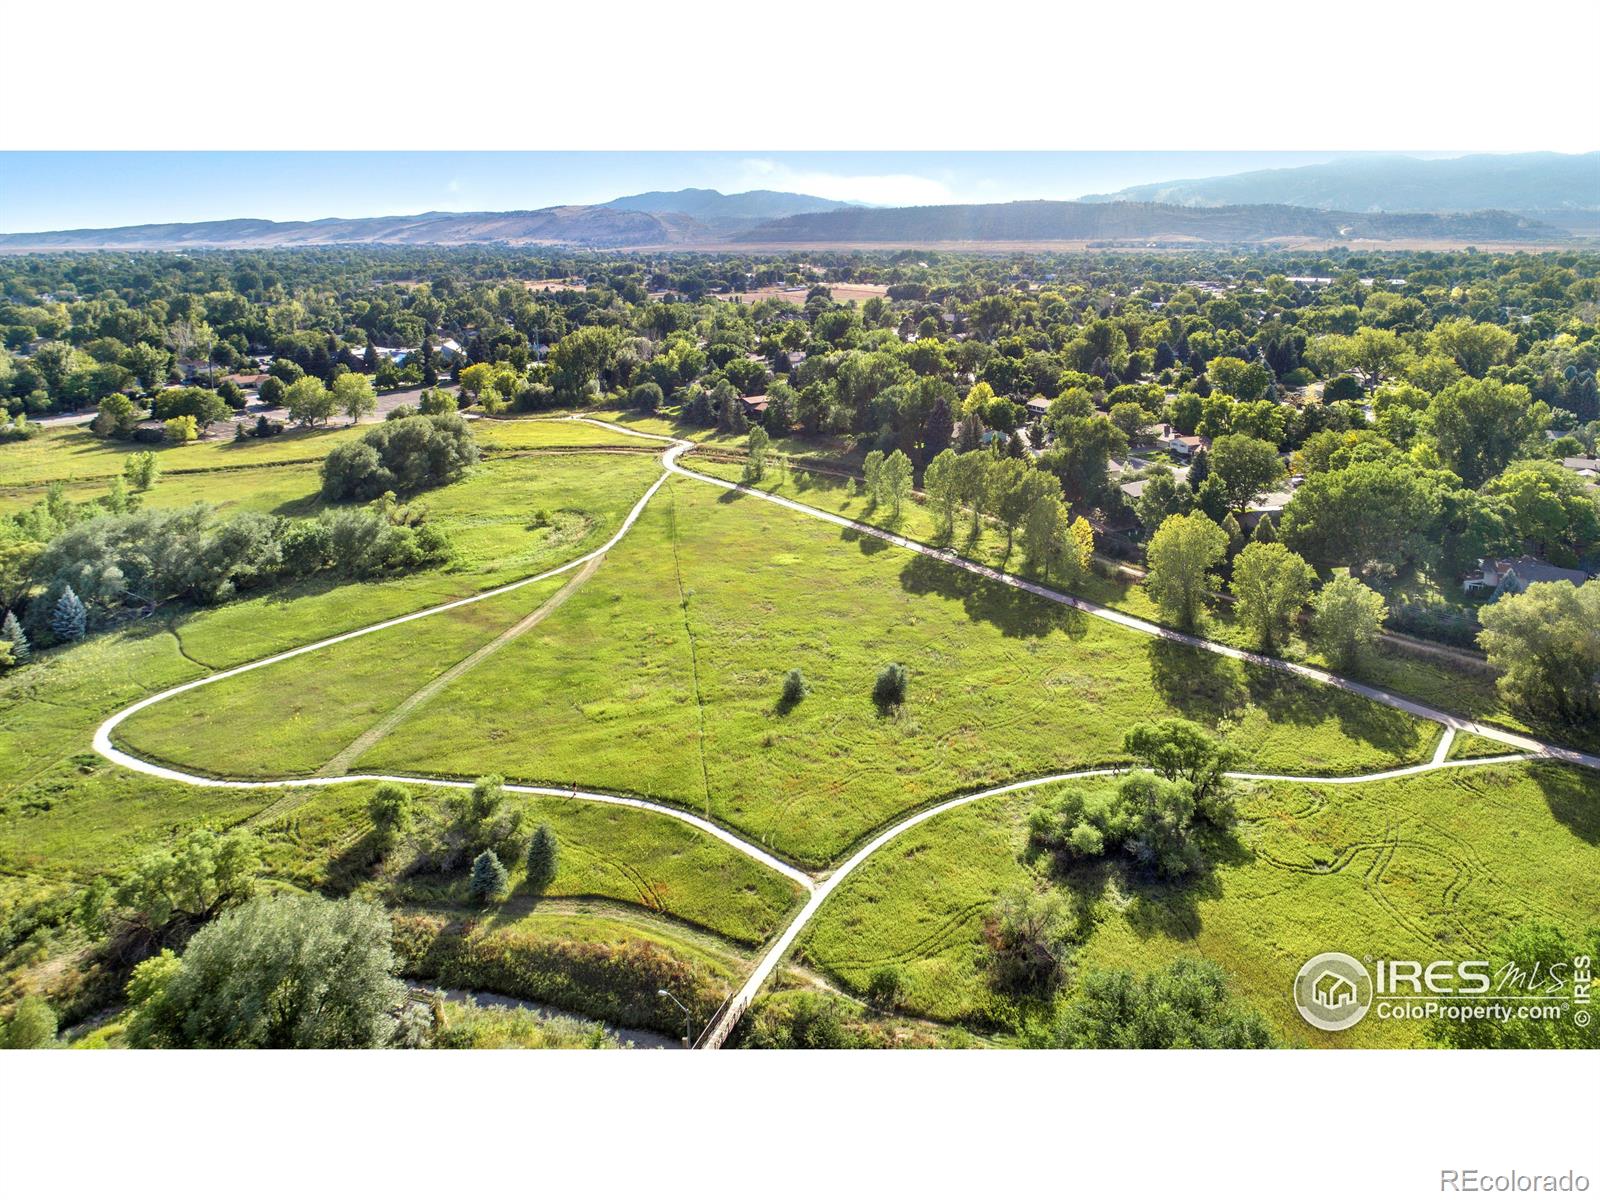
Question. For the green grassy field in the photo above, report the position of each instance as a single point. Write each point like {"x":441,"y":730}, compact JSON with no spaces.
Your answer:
{"x":74,"y":453}
{"x":67,"y":816}
{"x":661,"y":677}
{"x":1471,"y":745}
{"x":1429,"y":866}
{"x":316,"y":704}
{"x":1426,"y":678}
{"x":509,"y":434}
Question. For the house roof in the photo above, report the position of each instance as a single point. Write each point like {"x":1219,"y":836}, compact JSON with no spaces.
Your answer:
{"x":1536,"y":570}
{"x":1582,"y":465}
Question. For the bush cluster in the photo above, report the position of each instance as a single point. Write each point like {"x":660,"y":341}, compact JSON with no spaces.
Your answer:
{"x":401,"y":456}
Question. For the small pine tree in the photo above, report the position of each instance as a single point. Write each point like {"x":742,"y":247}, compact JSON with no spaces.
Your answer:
{"x":11,"y":631}
{"x":1265,"y":530}
{"x":544,"y":854}
{"x":68,"y":617}
{"x":488,"y":881}
{"x":794,"y":687}
{"x":890,"y":690}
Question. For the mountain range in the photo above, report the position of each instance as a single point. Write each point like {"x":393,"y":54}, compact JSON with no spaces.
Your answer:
{"x":1072,"y":221}
{"x":1535,"y":184}
{"x":1530,"y":198}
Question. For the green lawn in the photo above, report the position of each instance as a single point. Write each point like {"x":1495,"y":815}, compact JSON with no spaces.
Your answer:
{"x":1428,"y":866}
{"x":661,"y":677}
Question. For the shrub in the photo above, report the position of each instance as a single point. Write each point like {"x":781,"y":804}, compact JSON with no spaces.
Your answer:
{"x":646,"y":397}
{"x":390,"y":809}
{"x":180,"y":429}
{"x":116,"y":418}
{"x":32,"y":1026}
{"x":1185,"y":1005}
{"x":886,"y":986}
{"x":141,"y":470}
{"x":804,"y":1021}
{"x":890,"y":689}
{"x":1029,"y":939}
{"x":488,"y":881}
{"x":1346,"y":619}
{"x":436,"y":402}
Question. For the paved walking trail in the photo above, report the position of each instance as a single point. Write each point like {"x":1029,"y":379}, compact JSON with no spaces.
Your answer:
{"x":818,"y":889}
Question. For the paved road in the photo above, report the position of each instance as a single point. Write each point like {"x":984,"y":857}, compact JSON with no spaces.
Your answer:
{"x":817,"y":891}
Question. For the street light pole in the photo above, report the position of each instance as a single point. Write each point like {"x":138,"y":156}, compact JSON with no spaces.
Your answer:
{"x":688,"y":1037}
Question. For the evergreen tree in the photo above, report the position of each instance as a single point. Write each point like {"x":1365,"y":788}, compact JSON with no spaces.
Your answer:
{"x":1265,"y":530}
{"x":794,"y":688}
{"x":890,"y":689}
{"x":488,"y":881}
{"x":936,"y":432}
{"x":1199,"y":468}
{"x":11,"y":631}
{"x":68,"y":617}
{"x":544,"y":854}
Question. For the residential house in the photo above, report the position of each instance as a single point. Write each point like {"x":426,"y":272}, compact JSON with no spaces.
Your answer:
{"x":1180,"y":445}
{"x":1499,"y":576}
{"x":1587,"y":468}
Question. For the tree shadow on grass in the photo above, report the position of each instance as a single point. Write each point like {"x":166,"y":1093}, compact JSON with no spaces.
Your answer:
{"x":1171,"y":908}
{"x":1014,"y":612}
{"x":864,"y":542}
{"x":1573,"y":795}
{"x":1291,"y":701}
{"x":1201,"y":686}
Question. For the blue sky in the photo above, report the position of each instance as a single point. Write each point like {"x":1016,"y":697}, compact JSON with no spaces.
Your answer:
{"x":40,"y":191}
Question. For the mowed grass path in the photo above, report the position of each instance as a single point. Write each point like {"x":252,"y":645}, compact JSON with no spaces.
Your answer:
{"x":1424,"y":867}
{"x":662,"y":678}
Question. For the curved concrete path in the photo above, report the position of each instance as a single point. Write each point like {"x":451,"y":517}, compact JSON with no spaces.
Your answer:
{"x":819,"y":891}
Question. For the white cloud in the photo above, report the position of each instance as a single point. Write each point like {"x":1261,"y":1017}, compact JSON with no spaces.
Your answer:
{"x":766,"y":174}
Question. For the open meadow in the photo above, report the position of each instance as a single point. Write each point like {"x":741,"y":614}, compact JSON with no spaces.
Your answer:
{"x":1433,"y":866}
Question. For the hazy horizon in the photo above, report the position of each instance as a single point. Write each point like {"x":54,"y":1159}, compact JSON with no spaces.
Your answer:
{"x":46,"y":191}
